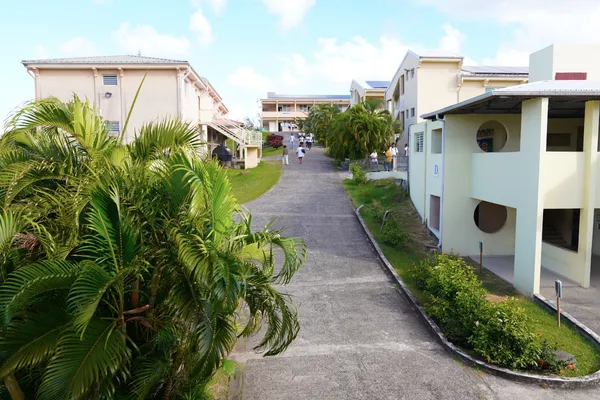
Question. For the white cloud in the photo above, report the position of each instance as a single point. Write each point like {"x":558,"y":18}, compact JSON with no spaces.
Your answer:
{"x":536,"y":23}
{"x":290,"y":12}
{"x":78,"y":47}
{"x":246,"y":77}
{"x":200,"y":26}
{"x":217,"y":5}
{"x":145,"y":39}
{"x":452,"y":39}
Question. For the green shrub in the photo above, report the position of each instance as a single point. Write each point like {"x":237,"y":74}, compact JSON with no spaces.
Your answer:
{"x":395,"y":234}
{"x":374,"y":212}
{"x":502,"y":337}
{"x":457,"y":296}
{"x":359,"y":176}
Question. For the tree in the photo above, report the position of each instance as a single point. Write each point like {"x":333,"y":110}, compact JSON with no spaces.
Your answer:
{"x":318,"y":120}
{"x":127,"y":270}
{"x":359,"y":130}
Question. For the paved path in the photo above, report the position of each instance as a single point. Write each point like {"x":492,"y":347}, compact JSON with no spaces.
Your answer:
{"x":359,"y":338}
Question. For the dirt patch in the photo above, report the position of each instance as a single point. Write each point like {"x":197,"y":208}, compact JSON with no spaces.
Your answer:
{"x":492,"y":298}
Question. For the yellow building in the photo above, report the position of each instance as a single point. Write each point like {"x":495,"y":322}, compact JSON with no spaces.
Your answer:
{"x":517,"y":168}
{"x":280,"y":112}
{"x":171,"y":88}
{"x":431,"y":80}
{"x":368,"y":90}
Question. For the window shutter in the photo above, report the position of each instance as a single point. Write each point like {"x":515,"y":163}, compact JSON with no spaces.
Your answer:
{"x":109,"y":80}
{"x":571,"y":76}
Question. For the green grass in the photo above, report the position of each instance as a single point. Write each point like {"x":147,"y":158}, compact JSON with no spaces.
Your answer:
{"x":269,"y":151}
{"x":248,"y":184}
{"x":389,"y":196}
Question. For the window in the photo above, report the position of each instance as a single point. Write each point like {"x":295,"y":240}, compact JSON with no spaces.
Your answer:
{"x":558,"y":140}
{"x":402,"y":85}
{"x":571,"y":76}
{"x":412,"y":73}
{"x":114,"y":127}
{"x":419,"y":142}
{"x":412,"y":112}
{"x":286,"y":108}
{"x":436,"y":141}
{"x":303,"y":108}
{"x":109,"y":80}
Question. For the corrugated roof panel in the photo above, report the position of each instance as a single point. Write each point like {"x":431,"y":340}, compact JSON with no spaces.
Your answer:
{"x":122,"y":59}
{"x":378,"y":84}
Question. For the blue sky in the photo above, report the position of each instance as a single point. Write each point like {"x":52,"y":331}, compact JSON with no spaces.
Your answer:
{"x":249,"y":47}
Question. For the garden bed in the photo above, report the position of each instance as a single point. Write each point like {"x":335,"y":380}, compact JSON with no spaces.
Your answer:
{"x":403,"y":245}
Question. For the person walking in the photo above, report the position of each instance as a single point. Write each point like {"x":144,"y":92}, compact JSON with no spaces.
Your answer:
{"x":309,"y":142}
{"x":285,"y":160}
{"x":300,"y":152}
{"x":374,"y":163}
{"x":387,"y":162}
{"x":292,"y":138}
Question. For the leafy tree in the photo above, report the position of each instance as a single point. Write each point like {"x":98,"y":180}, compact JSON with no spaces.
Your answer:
{"x":319,"y":120}
{"x":127,"y":270}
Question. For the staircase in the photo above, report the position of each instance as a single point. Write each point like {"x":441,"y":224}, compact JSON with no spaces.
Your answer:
{"x":239,"y":134}
{"x":552,"y":236}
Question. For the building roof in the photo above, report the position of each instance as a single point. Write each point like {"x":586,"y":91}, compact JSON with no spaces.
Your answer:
{"x":377,"y":84}
{"x":494,"y":71}
{"x":122,"y":59}
{"x":566,"y":99}
{"x":435,"y":54}
{"x":275,"y":96}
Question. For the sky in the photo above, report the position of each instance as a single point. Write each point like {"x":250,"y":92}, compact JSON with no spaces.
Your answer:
{"x":247,"y":48}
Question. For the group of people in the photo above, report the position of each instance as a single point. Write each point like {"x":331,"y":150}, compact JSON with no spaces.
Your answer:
{"x":390,"y":153}
{"x":301,"y":150}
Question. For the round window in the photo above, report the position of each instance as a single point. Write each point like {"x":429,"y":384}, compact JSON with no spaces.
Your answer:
{"x":491,"y":136}
{"x":490,"y":217}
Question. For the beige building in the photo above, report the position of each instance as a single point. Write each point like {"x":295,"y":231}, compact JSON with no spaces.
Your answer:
{"x":171,"y":88}
{"x":518,"y":169}
{"x":368,"y":90}
{"x":280,"y":112}
{"x":431,"y":80}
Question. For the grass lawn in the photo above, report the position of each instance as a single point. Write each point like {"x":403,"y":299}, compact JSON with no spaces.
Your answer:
{"x":269,"y":151}
{"x":386,"y":195}
{"x":248,"y":184}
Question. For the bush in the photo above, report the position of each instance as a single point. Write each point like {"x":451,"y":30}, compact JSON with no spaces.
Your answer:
{"x":498,"y":332}
{"x":359,"y":176}
{"x":502,"y":337}
{"x":275,"y":141}
{"x":395,"y":234}
{"x":373,"y":212}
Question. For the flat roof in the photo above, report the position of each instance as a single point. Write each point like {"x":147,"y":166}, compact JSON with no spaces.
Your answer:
{"x":275,"y":96}
{"x":567,"y":99}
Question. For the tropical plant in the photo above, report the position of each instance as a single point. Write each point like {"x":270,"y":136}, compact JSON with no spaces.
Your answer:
{"x":318,"y":121}
{"x":359,"y":130}
{"x":127,"y":270}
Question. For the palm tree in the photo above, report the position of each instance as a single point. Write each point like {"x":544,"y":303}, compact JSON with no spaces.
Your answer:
{"x":319,"y":119}
{"x":357,"y":131}
{"x":127,"y":270}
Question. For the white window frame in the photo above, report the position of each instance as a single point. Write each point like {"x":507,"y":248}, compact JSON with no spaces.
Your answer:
{"x":114,"y":127}
{"x":110,"y":76}
{"x":412,"y":112}
{"x":419,"y":145}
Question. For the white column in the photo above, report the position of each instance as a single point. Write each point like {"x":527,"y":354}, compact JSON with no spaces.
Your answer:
{"x":530,"y":211}
{"x":586,"y":222}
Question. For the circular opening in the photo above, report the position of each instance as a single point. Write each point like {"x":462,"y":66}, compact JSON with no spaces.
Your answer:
{"x":491,"y":136}
{"x":490,"y":217}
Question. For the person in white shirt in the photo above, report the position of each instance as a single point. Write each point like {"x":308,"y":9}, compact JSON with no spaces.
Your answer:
{"x":309,"y":142}
{"x":300,"y":152}
{"x":394,"y":154}
{"x":292,"y":138}
{"x":374,"y":162}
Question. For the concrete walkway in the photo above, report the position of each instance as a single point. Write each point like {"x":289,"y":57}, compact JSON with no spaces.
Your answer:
{"x":359,"y":338}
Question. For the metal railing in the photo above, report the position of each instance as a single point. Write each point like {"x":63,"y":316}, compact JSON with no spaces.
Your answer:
{"x":400,"y":163}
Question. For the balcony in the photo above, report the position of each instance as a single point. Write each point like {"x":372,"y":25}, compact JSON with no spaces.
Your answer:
{"x":284,"y":115}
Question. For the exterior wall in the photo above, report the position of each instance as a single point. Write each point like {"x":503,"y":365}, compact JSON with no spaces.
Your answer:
{"x":417,"y":170}
{"x":472,"y":88}
{"x":437,"y":86}
{"x":408,"y":100}
{"x":545,"y":63}
{"x":272,"y":117}
{"x":158,"y":97}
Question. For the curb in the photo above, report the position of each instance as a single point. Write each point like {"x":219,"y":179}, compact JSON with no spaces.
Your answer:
{"x":592,"y":380}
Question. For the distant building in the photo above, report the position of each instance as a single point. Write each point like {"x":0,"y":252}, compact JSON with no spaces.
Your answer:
{"x":368,"y":90}
{"x":431,"y":80}
{"x":517,"y":168}
{"x":171,"y":88}
{"x":279,"y":111}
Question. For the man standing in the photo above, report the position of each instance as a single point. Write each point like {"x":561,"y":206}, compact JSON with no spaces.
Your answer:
{"x":374,"y":163}
{"x":292,"y":141}
{"x":387,"y":163}
{"x":394,"y":155}
{"x":285,"y":159}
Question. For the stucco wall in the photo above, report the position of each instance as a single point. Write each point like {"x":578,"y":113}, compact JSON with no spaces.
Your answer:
{"x":545,"y":63}
{"x":541,"y":65}
{"x":417,"y":170}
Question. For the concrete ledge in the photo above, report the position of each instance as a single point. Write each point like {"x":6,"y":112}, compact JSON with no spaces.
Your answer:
{"x":551,"y":381}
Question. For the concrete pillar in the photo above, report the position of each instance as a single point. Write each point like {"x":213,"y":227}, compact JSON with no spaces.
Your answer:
{"x":528,"y":238}
{"x":586,"y":222}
